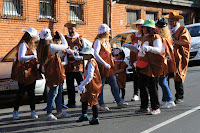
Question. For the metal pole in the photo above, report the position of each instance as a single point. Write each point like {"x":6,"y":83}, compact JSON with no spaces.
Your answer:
{"x":110,"y":4}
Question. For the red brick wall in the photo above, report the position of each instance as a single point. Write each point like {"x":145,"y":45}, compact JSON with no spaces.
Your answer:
{"x":119,"y":14}
{"x":11,"y":29}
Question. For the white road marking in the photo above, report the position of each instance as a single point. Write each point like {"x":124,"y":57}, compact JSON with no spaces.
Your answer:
{"x":171,"y":120}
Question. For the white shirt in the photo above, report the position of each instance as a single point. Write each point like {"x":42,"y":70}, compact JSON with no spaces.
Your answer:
{"x":22,"y":53}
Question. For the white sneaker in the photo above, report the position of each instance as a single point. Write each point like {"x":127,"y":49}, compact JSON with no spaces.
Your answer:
{"x":51,"y":117}
{"x":155,"y":112}
{"x":122,"y":104}
{"x":168,"y":105}
{"x":63,"y":115}
{"x":15,"y":115}
{"x":135,"y":98}
{"x":103,"y":107}
{"x":34,"y":114}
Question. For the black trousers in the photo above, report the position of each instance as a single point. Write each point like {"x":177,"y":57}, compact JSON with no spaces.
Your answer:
{"x":135,"y":80}
{"x":148,"y":85}
{"x":179,"y":90}
{"x":70,"y":76}
{"x":30,"y":89}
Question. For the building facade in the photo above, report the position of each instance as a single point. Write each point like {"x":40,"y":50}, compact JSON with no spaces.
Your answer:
{"x":16,"y":15}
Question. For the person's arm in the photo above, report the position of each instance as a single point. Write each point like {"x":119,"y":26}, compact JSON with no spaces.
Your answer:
{"x":89,"y":75}
{"x":56,"y":48}
{"x":97,"y":47}
{"x":131,"y":47}
{"x":156,"y":49}
{"x":185,"y":38}
{"x":22,"y":53}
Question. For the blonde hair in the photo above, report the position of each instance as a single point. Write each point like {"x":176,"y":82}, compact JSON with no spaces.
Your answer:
{"x":105,"y":36}
{"x":164,"y":32}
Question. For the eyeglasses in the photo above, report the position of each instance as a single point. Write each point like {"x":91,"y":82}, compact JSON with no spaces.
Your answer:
{"x":116,"y":54}
{"x":170,"y":20}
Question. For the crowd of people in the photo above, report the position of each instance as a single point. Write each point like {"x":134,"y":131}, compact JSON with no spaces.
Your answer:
{"x":159,"y":51}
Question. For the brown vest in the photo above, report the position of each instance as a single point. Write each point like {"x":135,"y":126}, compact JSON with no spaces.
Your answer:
{"x":121,"y":77}
{"x":105,"y":54}
{"x":154,"y":67}
{"x":93,"y":87}
{"x":182,"y":53}
{"x":74,"y":65}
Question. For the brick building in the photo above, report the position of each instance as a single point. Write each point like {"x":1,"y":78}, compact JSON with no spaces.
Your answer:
{"x":124,"y":12}
{"x":16,"y":15}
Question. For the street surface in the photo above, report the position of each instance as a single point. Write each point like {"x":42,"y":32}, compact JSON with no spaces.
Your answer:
{"x":184,"y":118}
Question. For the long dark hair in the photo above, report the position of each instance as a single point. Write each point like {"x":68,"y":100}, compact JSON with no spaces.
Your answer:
{"x":28,"y":40}
{"x":43,"y":51}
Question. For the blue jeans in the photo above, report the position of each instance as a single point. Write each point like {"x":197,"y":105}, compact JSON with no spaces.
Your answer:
{"x":53,"y":93}
{"x":114,"y":89}
{"x":164,"y":84}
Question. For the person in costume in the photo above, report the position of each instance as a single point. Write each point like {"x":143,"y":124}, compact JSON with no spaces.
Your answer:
{"x":103,"y":55}
{"x":120,"y":70}
{"x":149,"y":66}
{"x":49,"y":60}
{"x":90,"y":87}
{"x":74,"y":65}
{"x":26,"y":53}
{"x":169,"y":62}
{"x":133,"y":55}
{"x":181,"y":40}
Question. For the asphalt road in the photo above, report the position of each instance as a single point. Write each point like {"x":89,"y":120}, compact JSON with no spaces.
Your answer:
{"x":183,"y":118}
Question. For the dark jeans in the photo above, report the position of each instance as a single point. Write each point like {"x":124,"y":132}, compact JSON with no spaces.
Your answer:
{"x":135,"y":80}
{"x":179,"y":90}
{"x":70,"y":76}
{"x":148,"y":85}
{"x":20,"y":94}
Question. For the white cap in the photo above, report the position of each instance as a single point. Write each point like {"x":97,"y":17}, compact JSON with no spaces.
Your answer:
{"x":32,"y":32}
{"x":103,"y":28}
{"x":45,"y":34}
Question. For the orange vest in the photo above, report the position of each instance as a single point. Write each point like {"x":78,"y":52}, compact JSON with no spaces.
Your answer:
{"x":154,"y":62}
{"x":182,"y":53}
{"x":93,"y":87}
{"x":105,"y":54}
{"x":121,"y":77}
{"x":74,"y":65}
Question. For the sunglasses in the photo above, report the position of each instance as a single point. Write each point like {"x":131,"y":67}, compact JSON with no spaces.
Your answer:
{"x":116,"y":54}
{"x":170,"y":20}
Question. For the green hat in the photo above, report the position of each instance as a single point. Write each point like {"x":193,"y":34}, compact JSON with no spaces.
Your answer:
{"x":87,"y":50}
{"x":149,"y":23}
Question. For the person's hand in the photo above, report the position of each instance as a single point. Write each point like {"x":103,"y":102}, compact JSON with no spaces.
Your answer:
{"x":145,"y":48}
{"x":69,"y":51}
{"x":78,"y":57}
{"x":107,"y":66}
{"x":81,"y":89}
{"x":125,"y":45}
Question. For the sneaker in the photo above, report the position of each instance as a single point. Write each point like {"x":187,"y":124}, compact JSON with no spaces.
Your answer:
{"x":83,"y":117}
{"x":142,"y":111}
{"x":122,"y":104}
{"x":178,"y":101}
{"x":15,"y":115}
{"x":155,"y":112}
{"x":34,"y":114}
{"x":168,"y":105}
{"x":103,"y":107}
{"x":63,"y":115}
{"x":94,"y":121}
{"x":51,"y":117}
{"x":135,"y":98}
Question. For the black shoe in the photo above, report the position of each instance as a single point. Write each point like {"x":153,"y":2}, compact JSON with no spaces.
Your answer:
{"x":71,"y":105}
{"x":82,"y":118}
{"x":94,"y":121}
{"x":178,"y":101}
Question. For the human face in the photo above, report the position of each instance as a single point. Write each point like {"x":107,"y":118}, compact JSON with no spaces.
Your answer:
{"x":173,"y":22}
{"x":71,"y":30}
{"x":145,"y":30}
{"x":139,"y":27}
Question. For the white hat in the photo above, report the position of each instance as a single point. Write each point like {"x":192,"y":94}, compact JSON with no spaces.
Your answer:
{"x":45,"y":34}
{"x":139,"y":21}
{"x":32,"y":32}
{"x":87,"y":50}
{"x":103,"y":28}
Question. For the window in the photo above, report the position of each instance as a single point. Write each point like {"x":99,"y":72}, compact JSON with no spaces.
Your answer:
{"x":131,"y":16}
{"x":13,"y":9}
{"x":78,"y":11}
{"x":46,"y":9}
{"x":151,"y":15}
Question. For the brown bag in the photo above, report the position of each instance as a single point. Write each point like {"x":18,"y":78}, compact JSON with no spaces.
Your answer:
{"x":54,"y":71}
{"x":25,"y":72}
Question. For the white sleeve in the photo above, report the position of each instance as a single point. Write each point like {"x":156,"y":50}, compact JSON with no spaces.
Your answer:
{"x":22,"y":53}
{"x":157,"y":47}
{"x":97,"y":47}
{"x":83,"y":43}
{"x":131,"y":47}
{"x":89,"y":75}
{"x":56,"y":48}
